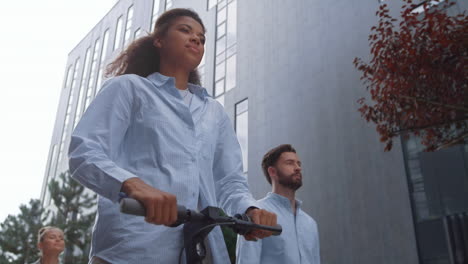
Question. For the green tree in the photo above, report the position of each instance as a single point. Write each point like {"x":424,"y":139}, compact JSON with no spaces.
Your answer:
{"x":18,"y":234}
{"x":230,"y":238}
{"x":74,"y":213}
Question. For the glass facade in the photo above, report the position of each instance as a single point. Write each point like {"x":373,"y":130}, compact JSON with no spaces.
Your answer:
{"x":69,"y":107}
{"x":438,"y":184}
{"x":226,"y":49}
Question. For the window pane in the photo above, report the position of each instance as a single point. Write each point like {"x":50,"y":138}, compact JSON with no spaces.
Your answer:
{"x":211,"y":4}
{"x":128,"y":25}
{"x":221,"y":30}
{"x":242,"y":107}
{"x":118,"y":33}
{"x":220,"y":99}
{"x":220,"y":71}
{"x":242,"y":131}
{"x":137,"y":33}
{"x":82,"y":87}
{"x":232,"y":24}
{"x":168,"y":4}
{"x":220,"y":58}
{"x":231,"y":73}
{"x":220,"y":45}
{"x":92,"y":74}
{"x":155,"y":13}
{"x":221,"y":16}
{"x":231,"y":50}
{"x":101,"y":61}
{"x":221,"y":3}
{"x":105,"y":42}
{"x":68,"y":78}
{"x":219,"y":88}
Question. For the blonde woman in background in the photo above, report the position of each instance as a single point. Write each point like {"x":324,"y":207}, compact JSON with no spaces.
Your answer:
{"x":51,"y":244}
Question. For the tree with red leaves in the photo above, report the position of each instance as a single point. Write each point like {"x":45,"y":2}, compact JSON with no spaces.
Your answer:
{"x":418,"y":75}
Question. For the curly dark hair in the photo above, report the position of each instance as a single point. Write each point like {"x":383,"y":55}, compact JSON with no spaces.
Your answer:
{"x":141,"y":57}
{"x":272,"y":156}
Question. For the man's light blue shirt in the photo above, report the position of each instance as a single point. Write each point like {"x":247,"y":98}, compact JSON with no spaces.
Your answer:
{"x":298,"y":243}
{"x":141,"y":127}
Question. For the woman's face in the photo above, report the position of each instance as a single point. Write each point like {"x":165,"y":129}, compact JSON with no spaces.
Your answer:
{"x":184,"y":43}
{"x":52,"y":242}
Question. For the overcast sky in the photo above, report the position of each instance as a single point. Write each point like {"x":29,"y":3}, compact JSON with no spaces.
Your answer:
{"x":36,"y":37}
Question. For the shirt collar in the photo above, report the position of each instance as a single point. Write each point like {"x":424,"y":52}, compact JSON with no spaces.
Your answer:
{"x":284,"y":201}
{"x":160,"y":80}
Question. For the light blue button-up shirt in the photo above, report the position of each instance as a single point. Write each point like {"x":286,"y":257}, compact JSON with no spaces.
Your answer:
{"x":141,"y":127}
{"x":297,"y":244}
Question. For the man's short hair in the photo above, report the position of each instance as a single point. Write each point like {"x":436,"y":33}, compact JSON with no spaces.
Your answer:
{"x":272,"y":156}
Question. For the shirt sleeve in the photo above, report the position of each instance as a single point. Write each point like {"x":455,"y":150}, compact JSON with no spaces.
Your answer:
{"x":99,"y":135}
{"x":231,"y":185}
{"x":316,"y":248}
{"x":248,"y":252}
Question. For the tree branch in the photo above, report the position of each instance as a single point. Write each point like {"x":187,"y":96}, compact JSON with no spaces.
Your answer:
{"x":453,"y":142}
{"x":455,"y":107}
{"x":410,"y":129}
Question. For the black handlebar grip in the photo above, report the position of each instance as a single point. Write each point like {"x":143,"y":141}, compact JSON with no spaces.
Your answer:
{"x":132,"y":206}
{"x":278,"y":231}
{"x":135,"y":207}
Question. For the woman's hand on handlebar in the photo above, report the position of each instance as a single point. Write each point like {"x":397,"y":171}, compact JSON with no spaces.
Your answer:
{"x":261,"y":217}
{"x":161,"y":207}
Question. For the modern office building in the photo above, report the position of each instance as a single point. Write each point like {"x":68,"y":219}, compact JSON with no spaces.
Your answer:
{"x":283,"y":71}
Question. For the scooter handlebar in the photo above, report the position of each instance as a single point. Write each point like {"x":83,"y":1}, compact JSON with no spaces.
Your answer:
{"x":135,"y":207}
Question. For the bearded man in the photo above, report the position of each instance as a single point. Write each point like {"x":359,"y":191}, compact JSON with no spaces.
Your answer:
{"x":298,"y":243}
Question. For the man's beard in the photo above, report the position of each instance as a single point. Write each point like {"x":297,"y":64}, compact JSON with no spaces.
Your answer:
{"x":288,"y":181}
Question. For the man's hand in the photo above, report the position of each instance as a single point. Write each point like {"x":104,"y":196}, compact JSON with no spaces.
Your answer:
{"x":261,"y":217}
{"x":161,"y":207}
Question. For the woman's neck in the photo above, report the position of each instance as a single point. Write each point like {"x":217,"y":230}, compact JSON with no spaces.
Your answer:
{"x":181,"y":75}
{"x":50,"y":259}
